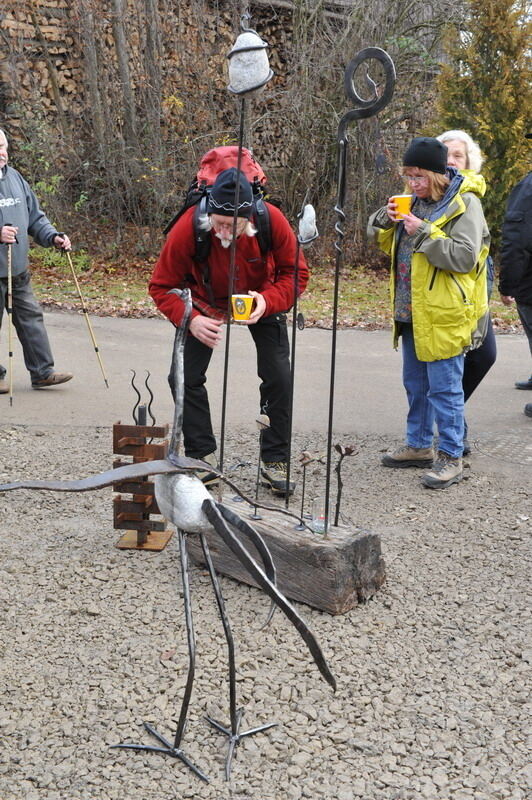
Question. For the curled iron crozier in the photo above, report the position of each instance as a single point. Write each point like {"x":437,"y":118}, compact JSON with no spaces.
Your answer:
{"x":364,"y":108}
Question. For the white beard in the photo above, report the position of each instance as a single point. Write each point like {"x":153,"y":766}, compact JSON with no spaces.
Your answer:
{"x":225,"y":242}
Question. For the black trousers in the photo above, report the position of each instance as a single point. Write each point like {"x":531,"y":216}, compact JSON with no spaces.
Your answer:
{"x":478,"y":362}
{"x":273,"y":368}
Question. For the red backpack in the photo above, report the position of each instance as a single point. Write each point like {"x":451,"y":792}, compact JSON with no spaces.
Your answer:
{"x":213,"y":162}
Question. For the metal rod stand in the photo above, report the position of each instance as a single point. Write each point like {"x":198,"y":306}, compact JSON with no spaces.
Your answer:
{"x":230,"y":288}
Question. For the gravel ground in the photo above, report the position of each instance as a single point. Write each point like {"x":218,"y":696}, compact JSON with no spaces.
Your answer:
{"x":433,"y":672}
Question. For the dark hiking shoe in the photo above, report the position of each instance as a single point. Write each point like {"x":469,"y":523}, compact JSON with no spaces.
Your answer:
{"x":209,"y":478}
{"x":524,"y":384}
{"x":274,"y":475}
{"x":52,"y":380}
{"x":406,"y":456}
{"x":528,"y":409}
{"x":445,"y":471}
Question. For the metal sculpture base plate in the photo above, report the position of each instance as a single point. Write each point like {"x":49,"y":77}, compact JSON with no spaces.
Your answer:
{"x":156,"y":540}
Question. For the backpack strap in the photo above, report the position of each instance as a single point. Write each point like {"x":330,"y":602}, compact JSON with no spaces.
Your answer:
{"x":262,"y":219}
{"x":202,"y":239}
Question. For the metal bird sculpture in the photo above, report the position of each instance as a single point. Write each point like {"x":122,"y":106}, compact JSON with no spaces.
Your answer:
{"x":184,"y":500}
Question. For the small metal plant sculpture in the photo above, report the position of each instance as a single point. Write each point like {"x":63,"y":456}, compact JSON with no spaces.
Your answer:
{"x":185,"y":501}
{"x":306,"y":458}
{"x":347,"y":450}
{"x":141,"y":411}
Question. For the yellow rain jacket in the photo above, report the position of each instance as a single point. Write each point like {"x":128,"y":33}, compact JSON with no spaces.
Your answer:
{"x":448,"y":272}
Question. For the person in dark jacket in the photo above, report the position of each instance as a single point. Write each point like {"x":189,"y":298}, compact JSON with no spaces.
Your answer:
{"x":269,"y":279}
{"x":21,"y":217}
{"x":515,"y":279}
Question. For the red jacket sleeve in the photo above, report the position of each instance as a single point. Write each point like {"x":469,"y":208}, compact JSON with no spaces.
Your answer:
{"x":174,"y":268}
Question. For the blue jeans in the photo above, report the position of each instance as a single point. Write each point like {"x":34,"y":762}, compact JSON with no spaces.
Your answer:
{"x":435,"y":395}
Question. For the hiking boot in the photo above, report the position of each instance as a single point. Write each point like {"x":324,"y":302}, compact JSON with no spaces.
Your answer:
{"x":524,"y":384}
{"x":528,"y":409}
{"x":52,"y":380}
{"x":207,"y":477}
{"x":407,"y":456}
{"x":4,"y":386}
{"x":274,"y":474}
{"x":445,"y":471}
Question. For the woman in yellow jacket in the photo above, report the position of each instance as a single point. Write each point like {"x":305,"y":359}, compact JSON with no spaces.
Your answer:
{"x":439,"y":300}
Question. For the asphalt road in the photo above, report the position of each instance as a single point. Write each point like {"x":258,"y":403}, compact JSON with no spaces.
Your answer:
{"x":368,"y":394}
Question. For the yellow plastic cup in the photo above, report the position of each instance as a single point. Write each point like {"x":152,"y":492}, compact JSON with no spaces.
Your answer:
{"x":403,"y":203}
{"x":242,"y":305}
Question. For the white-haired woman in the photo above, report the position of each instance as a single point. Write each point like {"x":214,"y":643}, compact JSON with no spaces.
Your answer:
{"x":464,"y":154}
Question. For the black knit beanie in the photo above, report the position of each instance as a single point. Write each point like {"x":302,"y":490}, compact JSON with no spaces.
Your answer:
{"x":426,"y":153}
{"x":222,"y":196}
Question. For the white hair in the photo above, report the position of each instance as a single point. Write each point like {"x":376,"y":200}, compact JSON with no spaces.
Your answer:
{"x":3,"y":133}
{"x":205,"y":224}
{"x":473,"y":154}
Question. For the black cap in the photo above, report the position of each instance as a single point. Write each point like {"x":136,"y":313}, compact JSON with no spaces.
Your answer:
{"x":222,"y":196}
{"x":426,"y":153}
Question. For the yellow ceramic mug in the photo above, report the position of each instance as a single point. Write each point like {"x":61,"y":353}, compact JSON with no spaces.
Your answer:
{"x":403,"y":203}
{"x":242,"y":305}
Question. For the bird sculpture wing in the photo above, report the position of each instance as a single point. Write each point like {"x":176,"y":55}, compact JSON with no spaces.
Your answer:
{"x":142,"y":470}
{"x":222,"y":529}
{"x":260,"y":545}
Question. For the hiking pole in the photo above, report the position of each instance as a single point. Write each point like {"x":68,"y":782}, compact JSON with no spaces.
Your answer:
{"x":366,"y":108}
{"x":86,"y":314}
{"x":306,"y":234}
{"x":9,"y":309}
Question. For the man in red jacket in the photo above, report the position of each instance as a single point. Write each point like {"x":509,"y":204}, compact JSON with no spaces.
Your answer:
{"x":268,"y":278}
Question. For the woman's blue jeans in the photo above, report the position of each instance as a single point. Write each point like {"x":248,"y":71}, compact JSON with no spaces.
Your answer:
{"x":435,"y":395}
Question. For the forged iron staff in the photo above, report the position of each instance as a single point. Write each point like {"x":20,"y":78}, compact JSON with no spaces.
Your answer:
{"x":232,"y":274}
{"x":307,"y":233}
{"x":248,"y":75}
{"x":366,"y":108}
{"x":86,"y":314}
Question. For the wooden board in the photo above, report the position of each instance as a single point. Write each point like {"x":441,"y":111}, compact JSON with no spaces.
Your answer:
{"x":333,"y":574}
{"x":156,"y":540}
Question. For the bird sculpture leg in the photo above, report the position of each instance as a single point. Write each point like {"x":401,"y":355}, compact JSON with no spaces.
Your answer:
{"x":226,"y":534}
{"x":233,"y":733}
{"x":169,"y":748}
